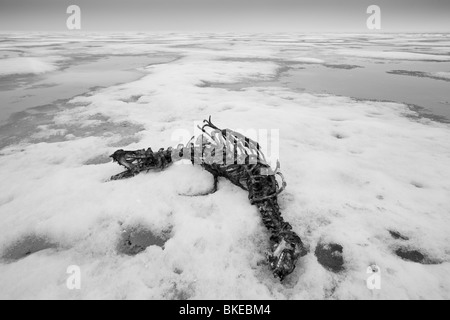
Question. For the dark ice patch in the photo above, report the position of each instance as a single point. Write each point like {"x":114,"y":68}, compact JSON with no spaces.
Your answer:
{"x":339,"y":136}
{"x":134,"y":240}
{"x":26,"y":246}
{"x":42,"y":86}
{"x":330,"y":256}
{"x":419,"y":74}
{"x":418,"y":185}
{"x":397,"y":235}
{"x":179,"y":292}
{"x":422,"y":113}
{"x":15,"y":81}
{"x":23,"y":125}
{"x":342,"y":66}
{"x":414,"y":255}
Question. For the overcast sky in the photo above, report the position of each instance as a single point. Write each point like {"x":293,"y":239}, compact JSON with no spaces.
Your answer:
{"x":226,"y":15}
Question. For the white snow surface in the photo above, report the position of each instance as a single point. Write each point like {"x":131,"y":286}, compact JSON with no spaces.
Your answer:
{"x":386,"y":172}
{"x":27,"y":65}
{"x":441,"y":74}
{"x":393,"y":55}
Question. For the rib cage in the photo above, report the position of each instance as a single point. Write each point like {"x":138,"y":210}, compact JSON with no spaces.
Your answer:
{"x":229,"y":154}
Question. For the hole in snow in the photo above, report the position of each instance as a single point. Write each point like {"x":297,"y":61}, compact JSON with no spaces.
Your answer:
{"x":330,"y":256}
{"x":339,"y":136}
{"x":132,"y":99}
{"x":27,"y":246}
{"x":417,"y":184}
{"x":397,"y":235}
{"x":414,"y":256}
{"x":178,"y":270}
{"x":134,"y":240}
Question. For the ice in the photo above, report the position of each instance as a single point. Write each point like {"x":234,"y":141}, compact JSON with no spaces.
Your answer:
{"x":356,"y":170}
{"x":308,"y":60}
{"x":442,"y":75}
{"x":394,"y":55}
{"x":27,"y":65}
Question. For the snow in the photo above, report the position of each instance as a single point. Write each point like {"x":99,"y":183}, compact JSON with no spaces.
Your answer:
{"x":392,"y":55}
{"x":386,"y":172}
{"x":27,"y":65}
{"x":308,"y":60}
{"x":442,"y":75}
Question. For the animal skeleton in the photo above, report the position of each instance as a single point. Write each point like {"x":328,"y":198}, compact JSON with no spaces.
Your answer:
{"x":229,"y":154}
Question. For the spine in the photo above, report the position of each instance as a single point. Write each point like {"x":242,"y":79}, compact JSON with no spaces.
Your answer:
{"x":286,"y":245}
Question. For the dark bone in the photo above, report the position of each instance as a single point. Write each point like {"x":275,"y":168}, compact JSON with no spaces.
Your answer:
{"x":252,"y":174}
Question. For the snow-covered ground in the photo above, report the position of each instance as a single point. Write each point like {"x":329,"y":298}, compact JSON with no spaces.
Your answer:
{"x":442,"y":75}
{"x":27,"y":65}
{"x":394,"y":55}
{"x":370,"y":176}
